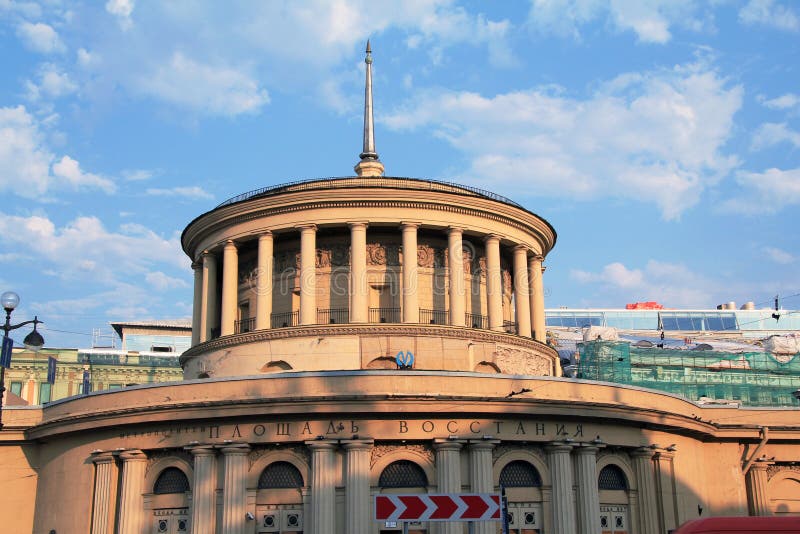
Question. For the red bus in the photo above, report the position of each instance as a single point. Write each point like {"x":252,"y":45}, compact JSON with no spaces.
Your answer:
{"x":733,"y":525}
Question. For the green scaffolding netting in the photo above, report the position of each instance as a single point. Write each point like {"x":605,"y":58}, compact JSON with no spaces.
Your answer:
{"x":751,"y":378}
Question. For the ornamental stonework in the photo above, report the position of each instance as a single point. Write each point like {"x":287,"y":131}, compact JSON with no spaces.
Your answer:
{"x":513,"y":360}
{"x":379,"y":451}
{"x":782,"y":468}
{"x":503,"y":449}
{"x":156,"y":456}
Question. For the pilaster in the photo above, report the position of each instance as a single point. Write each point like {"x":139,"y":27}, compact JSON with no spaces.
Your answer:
{"x":480,"y":476}
{"x":104,"y":467}
{"x":323,"y":490}
{"x":131,"y":503}
{"x":558,"y":454}
{"x":234,"y":490}
{"x":448,"y":473}
{"x":357,"y":513}
{"x":757,"y":488}
{"x":645,"y":482}
{"x":204,"y":489}
{"x":588,"y":510}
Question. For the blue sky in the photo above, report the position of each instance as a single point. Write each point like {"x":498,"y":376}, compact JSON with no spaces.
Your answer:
{"x":661,"y":138}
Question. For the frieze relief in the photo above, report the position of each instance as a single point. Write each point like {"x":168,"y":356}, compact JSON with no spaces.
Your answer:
{"x":782,"y":468}
{"x":514,"y":360}
{"x":380,"y":450}
{"x":378,"y":254}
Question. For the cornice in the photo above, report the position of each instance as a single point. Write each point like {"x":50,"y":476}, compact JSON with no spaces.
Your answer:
{"x":382,"y":329}
{"x":538,"y":228}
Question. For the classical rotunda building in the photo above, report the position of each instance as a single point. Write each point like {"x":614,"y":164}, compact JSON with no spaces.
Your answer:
{"x":370,"y":334}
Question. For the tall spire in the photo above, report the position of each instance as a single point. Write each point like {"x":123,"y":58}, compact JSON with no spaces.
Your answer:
{"x":369,"y":165}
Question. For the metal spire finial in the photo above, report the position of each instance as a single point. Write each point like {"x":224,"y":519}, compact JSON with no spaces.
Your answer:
{"x":369,"y":153}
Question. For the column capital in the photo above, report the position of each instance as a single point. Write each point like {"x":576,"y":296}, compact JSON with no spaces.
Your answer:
{"x":642,"y":452}
{"x":483,"y":444}
{"x":492,"y":237}
{"x":410,"y":224}
{"x":357,"y":444}
{"x":559,"y":446}
{"x":455,"y":230}
{"x":358,"y":224}
{"x":536,"y":258}
{"x":322,"y":444}
{"x":102,"y":457}
{"x":447,"y":445}
{"x":586,"y":449}
{"x":265,"y":234}
{"x":197,"y":265}
{"x":233,"y":449}
{"x":132,"y":455}
{"x":230,"y":243}
{"x":761,"y":464}
{"x":201,"y":450}
{"x":307,"y":227}
{"x":521,"y":248}
{"x":206,"y":254}
{"x":664,"y":455}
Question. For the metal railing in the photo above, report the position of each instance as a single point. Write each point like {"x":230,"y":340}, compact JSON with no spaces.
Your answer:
{"x":244,"y":325}
{"x":384,"y":315}
{"x":280,"y":320}
{"x":333,"y":315}
{"x":433,"y":317}
{"x":476,"y":320}
{"x":372,"y":182}
{"x":510,"y":327}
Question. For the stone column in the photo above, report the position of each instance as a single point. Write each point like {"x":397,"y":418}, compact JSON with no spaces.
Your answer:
{"x":448,"y":475}
{"x":234,"y":489}
{"x":757,"y":490}
{"x":561,"y":475}
{"x":588,"y":495}
{"x":359,"y":298}
{"x":521,"y":288}
{"x":456,"y":268}
{"x":208,"y":313}
{"x":480,"y":477}
{"x":494,"y":283}
{"x":308,"y":274}
{"x":197,"y":304}
{"x":204,"y":489}
{"x":665,"y":490}
{"x":410,"y":273}
{"x":537,"y":298}
{"x":264,"y":284}
{"x":357,"y":499}
{"x":230,"y":288}
{"x":645,"y":482}
{"x":103,"y":484}
{"x":131,"y":503}
{"x":323,"y":487}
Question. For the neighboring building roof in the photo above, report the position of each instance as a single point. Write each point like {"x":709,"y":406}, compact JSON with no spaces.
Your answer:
{"x":171,"y":324}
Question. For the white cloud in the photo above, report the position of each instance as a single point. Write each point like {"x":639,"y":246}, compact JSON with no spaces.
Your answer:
{"x":650,"y":20}
{"x":52,"y":83}
{"x":787,"y":101}
{"x":87,"y":59}
{"x":765,"y":192}
{"x":191,"y":192}
{"x":105,"y":256}
{"x":214,"y":90}
{"x":671,"y":284}
{"x":69,"y":170}
{"x":162,"y":282}
{"x":653,"y":136}
{"x":778,"y":255}
{"x":122,"y":9}
{"x":27,"y":166}
{"x":137,"y":175}
{"x":771,"y":133}
{"x":769,"y":13}
{"x":40,"y":37}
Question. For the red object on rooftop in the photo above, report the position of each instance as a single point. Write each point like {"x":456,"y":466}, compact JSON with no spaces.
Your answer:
{"x":649,"y":305}
{"x":734,"y":525}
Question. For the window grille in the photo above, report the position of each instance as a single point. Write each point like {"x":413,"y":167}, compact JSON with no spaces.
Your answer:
{"x":171,"y":480}
{"x":280,"y":475}
{"x":403,"y":474}
{"x":520,"y":474}
{"x":612,"y":478}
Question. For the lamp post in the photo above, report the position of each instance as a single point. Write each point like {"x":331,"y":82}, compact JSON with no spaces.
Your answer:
{"x":33,"y":341}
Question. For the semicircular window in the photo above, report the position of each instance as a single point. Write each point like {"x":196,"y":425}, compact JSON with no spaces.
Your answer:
{"x":520,"y":474}
{"x":403,"y":474}
{"x":171,"y":480}
{"x":612,"y":478}
{"x":280,"y":475}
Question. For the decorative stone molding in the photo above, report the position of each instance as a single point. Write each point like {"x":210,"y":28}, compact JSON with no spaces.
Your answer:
{"x":156,"y":456}
{"x":514,"y":360}
{"x":501,"y":450}
{"x":380,"y":450}
{"x":776,"y":469}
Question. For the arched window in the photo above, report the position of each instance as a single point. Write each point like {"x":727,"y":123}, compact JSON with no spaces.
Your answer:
{"x":520,"y":474}
{"x":612,"y":478}
{"x":171,"y":480}
{"x":403,"y":474}
{"x":280,"y":475}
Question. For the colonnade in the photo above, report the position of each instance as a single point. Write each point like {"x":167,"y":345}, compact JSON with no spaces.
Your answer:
{"x":575,"y":500}
{"x":210,"y":314}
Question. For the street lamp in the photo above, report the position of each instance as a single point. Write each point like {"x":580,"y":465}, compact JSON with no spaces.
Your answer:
{"x":33,"y":341}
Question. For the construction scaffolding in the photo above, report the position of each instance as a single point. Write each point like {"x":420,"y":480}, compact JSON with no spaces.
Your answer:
{"x":747,"y":378}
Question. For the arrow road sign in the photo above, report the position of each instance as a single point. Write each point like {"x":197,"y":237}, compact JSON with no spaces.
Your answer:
{"x":438,"y":507}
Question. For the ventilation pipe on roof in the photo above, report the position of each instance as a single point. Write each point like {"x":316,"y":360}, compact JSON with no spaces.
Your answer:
{"x":764,"y":439}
